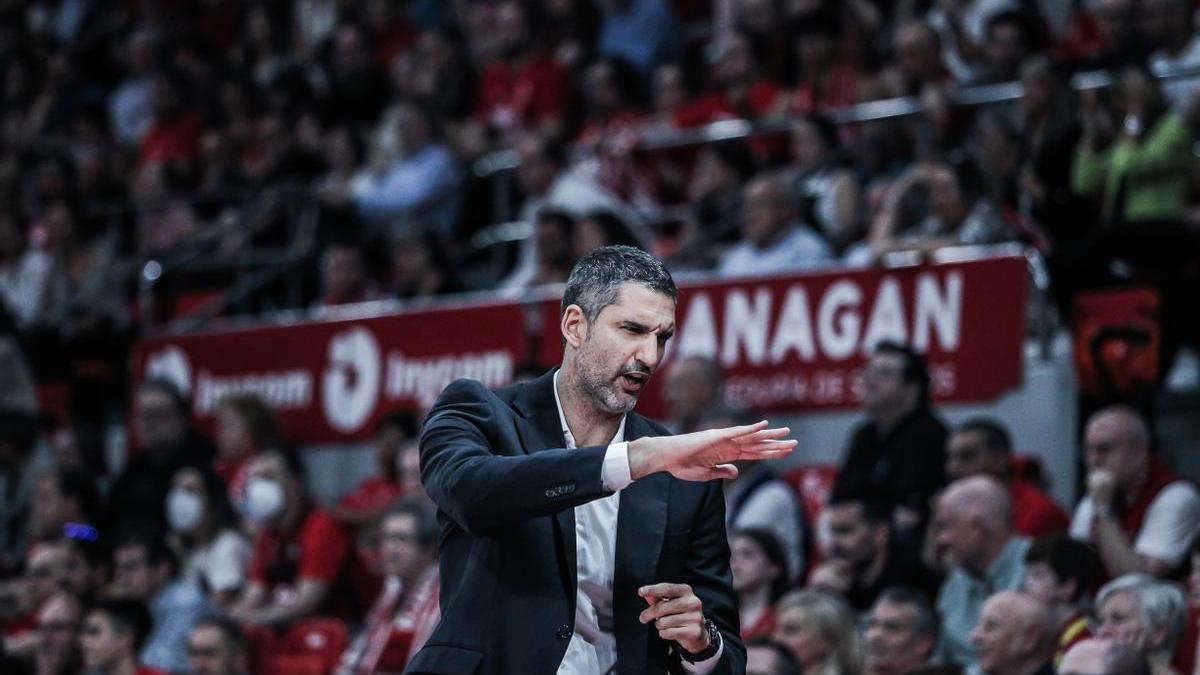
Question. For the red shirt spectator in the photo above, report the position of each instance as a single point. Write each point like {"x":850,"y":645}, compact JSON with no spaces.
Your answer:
{"x":319,"y":550}
{"x":528,"y":92}
{"x":171,"y":141}
{"x":1035,"y":514}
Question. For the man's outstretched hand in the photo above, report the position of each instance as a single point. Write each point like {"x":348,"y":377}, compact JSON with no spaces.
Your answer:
{"x":707,"y":455}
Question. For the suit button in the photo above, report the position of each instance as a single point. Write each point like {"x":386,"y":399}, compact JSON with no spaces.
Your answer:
{"x":563,"y":632}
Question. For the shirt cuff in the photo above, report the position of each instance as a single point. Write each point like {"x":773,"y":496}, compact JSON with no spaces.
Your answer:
{"x":707,"y":665}
{"x":615,"y":473}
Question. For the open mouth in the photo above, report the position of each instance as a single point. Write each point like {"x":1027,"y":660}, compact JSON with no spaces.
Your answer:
{"x":633,"y":381}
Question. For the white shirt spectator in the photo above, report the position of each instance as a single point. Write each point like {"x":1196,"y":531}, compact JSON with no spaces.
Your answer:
{"x":767,"y":503}
{"x":799,"y":249}
{"x":1179,"y":91}
{"x":1171,"y":524}
{"x":222,"y":564}
{"x":25,"y":285}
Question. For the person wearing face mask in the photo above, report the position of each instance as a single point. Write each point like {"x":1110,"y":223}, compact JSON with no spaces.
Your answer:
{"x":301,"y":553}
{"x":212,"y":552}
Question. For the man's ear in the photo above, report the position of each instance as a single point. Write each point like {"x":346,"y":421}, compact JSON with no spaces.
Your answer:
{"x":574,"y":326}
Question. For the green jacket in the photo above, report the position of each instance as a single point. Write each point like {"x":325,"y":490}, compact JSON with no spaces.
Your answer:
{"x":1156,"y":172}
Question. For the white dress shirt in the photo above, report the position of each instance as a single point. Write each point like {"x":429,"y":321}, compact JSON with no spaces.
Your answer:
{"x":593,"y":648}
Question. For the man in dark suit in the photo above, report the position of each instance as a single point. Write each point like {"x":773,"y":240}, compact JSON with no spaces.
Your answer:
{"x":577,"y":536}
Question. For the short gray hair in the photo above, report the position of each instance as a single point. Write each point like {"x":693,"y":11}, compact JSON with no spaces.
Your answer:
{"x":596,"y":280}
{"x":1160,"y":604}
{"x":924,"y":613}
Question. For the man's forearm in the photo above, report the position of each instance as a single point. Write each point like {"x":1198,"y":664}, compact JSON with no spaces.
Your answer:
{"x":1114,"y":548}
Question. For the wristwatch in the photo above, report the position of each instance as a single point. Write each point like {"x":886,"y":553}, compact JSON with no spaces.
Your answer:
{"x":714,"y":644}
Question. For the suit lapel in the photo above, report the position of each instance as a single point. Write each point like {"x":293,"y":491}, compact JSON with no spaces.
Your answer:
{"x":641,"y":524}
{"x":540,"y":429}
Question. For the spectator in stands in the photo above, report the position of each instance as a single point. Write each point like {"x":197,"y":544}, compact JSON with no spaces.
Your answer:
{"x":957,"y":215}
{"x":974,"y":528}
{"x":861,"y":560}
{"x":1141,"y":612}
{"x":165,"y":440}
{"x":612,"y":102}
{"x":899,"y":451}
{"x":553,"y":231}
{"x":244,"y":425}
{"x":773,"y":242}
{"x":406,"y":611}
{"x":420,"y":267}
{"x":818,"y":629}
{"x":344,"y":277}
{"x":355,"y":77}
{"x":765,"y":656}
{"x":1014,"y":636}
{"x":1120,"y":43}
{"x":61,"y":496}
{"x":418,"y":188}
{"x":216,"y":646}
{"x":520,"y":87}
{"x":760,"y":578}
{"x":643,"y":32}
{"x":740,"y":89}
{"x":1010,"y":37}
{"x":375,"y":495}
{"x":26,"y":274}
{"x":144,"y":571}
{"x":57,"y":650}
{"x":759,"y":498}
{"x":827,"y":191}
{"x":21,"y":598}
{"x":1060,"y":573}
{"x":212,"y":553}
{"x":18,"y":467}
{"x":695,"y":386}
{"x":601,"y":228}
{"x":173,"y":137}
{"x":826,"y":78}
{"x":715,"y":193}
{"x":1104,"y":657}
{"x":918,"y":57}
{"x":1139,"y":515}
{"x":131,"y":102}
{"x":300,"y":553}
{"x":1168,"y":24}
{"x":981,"y":447}
{"x":113,"y":634}
{"x":1137,"y":155}
{"x":901,"y":632}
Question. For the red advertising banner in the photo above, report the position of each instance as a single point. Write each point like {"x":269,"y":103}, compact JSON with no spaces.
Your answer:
{"x":333,"y":380}
{"x":799,"y":343}
{"x":791,"y":343}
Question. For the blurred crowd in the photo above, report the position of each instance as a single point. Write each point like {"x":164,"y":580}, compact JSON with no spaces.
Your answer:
{"x":930,"y":549}
{"x":190,"y":131}
{"x":185,"y":130}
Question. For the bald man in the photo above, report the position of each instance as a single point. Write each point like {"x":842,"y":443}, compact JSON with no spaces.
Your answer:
{"x":1139,"y":515}
{"x":1015,"y":636}
{"x":973,"y":530}
{"x":1103,"y":657}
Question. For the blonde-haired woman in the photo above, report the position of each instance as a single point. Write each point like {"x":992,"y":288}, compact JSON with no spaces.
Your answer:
{"x":818,"y":629}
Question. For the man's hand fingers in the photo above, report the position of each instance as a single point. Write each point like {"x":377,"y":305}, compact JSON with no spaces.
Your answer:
{"x":769,"y":434}
{"x":665,"y":590}
{"x":681,"y":635}
{"x":735,"y":432}
{"x":679,"y":620}
{"x":671,"y":607}
{"x":766,"y":449}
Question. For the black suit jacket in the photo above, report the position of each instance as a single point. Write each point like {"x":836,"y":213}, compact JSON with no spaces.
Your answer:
{"x":506,"y":489}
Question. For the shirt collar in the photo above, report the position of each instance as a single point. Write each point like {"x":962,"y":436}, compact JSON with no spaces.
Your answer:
{"x":562,"y":419}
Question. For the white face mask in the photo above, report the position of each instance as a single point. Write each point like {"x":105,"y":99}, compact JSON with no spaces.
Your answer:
{"x":264,"y":499}
{"x":185,"y":510}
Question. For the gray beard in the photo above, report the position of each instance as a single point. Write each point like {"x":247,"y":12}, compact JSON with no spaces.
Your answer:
{"x":600,"y":390}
